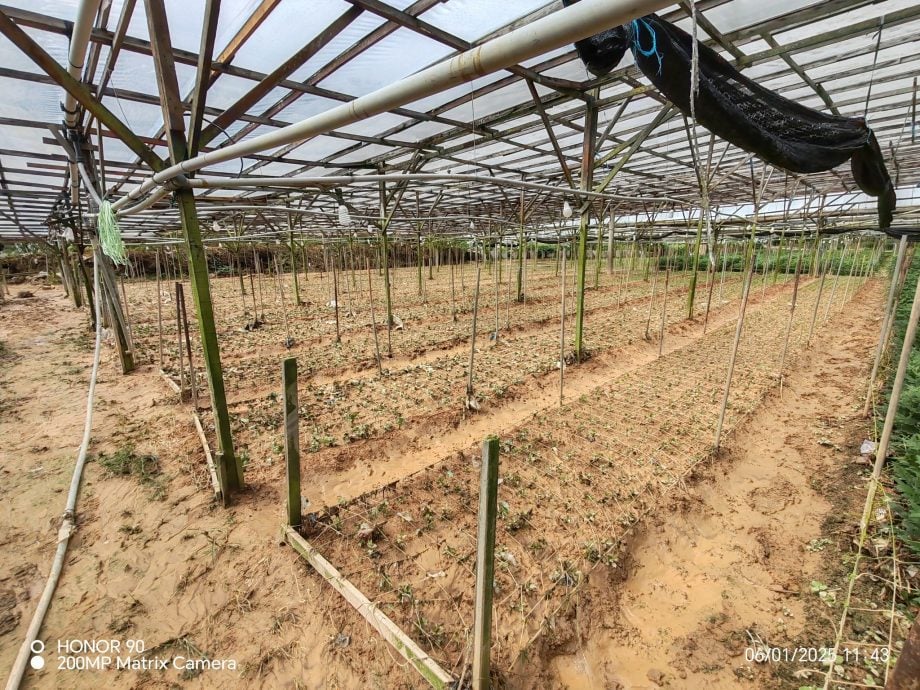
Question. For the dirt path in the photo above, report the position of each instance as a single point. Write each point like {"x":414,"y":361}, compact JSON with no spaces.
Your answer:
{"x":738,"y":553}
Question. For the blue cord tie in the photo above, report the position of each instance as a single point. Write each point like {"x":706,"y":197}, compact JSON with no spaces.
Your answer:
{"x":637,"y":41}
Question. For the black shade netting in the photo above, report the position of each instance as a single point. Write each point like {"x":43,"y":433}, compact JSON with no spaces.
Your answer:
{"x":741,"y":111}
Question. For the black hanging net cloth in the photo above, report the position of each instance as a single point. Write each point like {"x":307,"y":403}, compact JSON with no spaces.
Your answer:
{"x":741,"y":111}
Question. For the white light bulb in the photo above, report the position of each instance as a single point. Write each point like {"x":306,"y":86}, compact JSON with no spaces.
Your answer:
{"x":344,"y":217}
{"x":472,"y":225}
{"x":566,"y":210}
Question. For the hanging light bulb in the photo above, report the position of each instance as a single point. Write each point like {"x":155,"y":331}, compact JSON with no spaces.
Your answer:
{"x":371,"y":229}
{"x":472,"y":226}
{"x":344,"y":217}
{"x":566,"y":209}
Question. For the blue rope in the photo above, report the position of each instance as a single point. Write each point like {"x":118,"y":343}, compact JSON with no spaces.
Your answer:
{"x":635,"y":27}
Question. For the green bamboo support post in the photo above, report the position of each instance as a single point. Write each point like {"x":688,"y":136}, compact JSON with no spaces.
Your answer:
{"x":159,"y":312}
{"x":691,"y":294}
{"x":520,"y":270}
{"x":471,"y":403}
{"x":293,"y":246}
{"x":795,"y":297}
{"x":814,"y":316}
{"x":587,"y":181}
{"x":887,"y":321}
{"x":292,"y":441}
{"x":229,"y":471}
{"x":733,"y":356}
{"x":370,"y":293}
{"x":485,"y":563}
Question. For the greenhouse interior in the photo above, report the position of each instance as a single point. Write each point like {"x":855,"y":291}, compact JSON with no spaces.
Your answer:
{"x":460,"y":344}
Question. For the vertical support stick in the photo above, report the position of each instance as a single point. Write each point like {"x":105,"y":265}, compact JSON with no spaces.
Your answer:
{"x":485,"y":563}
{"x":734,"y":354}
{"x":179,"y":344}
{"x":159,"y":311}
{"x":587,"y":180}
{"x":664,"y":306}
{"x":335,"y":298}
{"x":453,"y":297}
{"x":814,"y":316}
{"x":562,"y":335}
{"x":193,"y":382}
{"x":292,"y":441}
{"x":795,"y":296}
{"x":886,"y":322}
{"x":370,"y":292}
{"x":470,"y":400}
{"x":651,"y":301}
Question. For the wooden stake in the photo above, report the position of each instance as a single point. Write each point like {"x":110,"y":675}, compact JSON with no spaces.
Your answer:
{"x":280,"y":283}
{"x":335,"y":284}
{"x":887,"y":321}
{"x":471,"y":403}
{"x":188,"y":345}
{"x":734,"y":355}
{"x":814,"y":316}
{"x":562,"y":335}
{"x":795,"y":296}
{"x":292,"y":441}
{"x":370,"y":291}
{"x":179,"y":344}
{"x":485,"y":563}
{"x":159,"y":311}
{"x":664,"y":306}
{"x":424,"y":664}
{"x":651,"y":301}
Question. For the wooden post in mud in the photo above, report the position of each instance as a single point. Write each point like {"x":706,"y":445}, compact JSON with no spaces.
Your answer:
{"x":562,"y":335}
{"x":292,"y":441}
{"x":471,"y":403}
{"x":485,"y":563}
{"x":370,"y":292}
{"x":830,"y":302}
{"x":289,"y":342}
{"x":335,"y":295}
{"x":664,"y":305}
{"x":179,"y":344}
{"x":180,"y":304}
{"x":734,"y":354}
{"x":159,"y":311}
{"x":886,"y":321}
{"x":795,"y":296}
{"x":712,"y":284}
{"x":814,"y":316}
{"x":453,"y":294}
{"x":651,"y":301}
{"x":846,"y":288}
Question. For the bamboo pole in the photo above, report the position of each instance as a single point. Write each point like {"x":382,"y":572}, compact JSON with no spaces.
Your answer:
{"x":335,"y":298}
{"x":485,"y":563}
{"x":651,"y":301}
{"x":795,"y":296}
{"x":587,"y":180}
{"x":297,"y":301}
{"x":193,"y":383}
{"x":886,"y":321}
{"x":370,"y":292}
{"x":453,"y":296}
{"x":734,"y":355}
{"x":562,"y":336}
{"x":664,"y":304}
{"x":830,"y":302}
{"x":179,"y":344}
{"x":289,"y":342}
{"x":159,"y":311}
{"x":471,"y":403}
{"x":814,"y":316}
{"x":292,"y":441}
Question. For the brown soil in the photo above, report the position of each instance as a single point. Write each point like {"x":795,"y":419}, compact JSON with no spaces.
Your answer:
{"x":155,"y":559}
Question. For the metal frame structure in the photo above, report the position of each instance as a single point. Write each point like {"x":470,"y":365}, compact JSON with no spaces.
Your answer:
{"x":525,"y":122}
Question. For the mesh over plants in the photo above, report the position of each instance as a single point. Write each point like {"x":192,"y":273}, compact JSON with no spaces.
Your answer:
{"x":741,"y":111}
